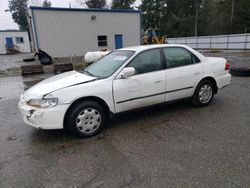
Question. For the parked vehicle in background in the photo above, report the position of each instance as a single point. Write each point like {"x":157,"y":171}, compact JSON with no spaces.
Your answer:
{"x":153,"y":36}
{"x":123,"y":80}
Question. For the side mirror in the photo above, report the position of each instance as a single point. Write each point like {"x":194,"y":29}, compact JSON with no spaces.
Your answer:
{"x":127,"y":72}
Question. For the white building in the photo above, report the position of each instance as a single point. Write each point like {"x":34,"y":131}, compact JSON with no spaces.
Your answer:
{"x":14,"y":39}
{"x":64,"y":32}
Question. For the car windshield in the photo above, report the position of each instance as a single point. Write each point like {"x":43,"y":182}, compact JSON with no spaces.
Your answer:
{"x":106,"y":66}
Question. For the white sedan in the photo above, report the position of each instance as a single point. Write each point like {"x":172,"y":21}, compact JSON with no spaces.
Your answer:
{"x":125,"y":79}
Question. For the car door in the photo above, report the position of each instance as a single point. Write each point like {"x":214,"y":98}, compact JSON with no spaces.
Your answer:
{"x":146,"y":87}
{"x":183,"y":72}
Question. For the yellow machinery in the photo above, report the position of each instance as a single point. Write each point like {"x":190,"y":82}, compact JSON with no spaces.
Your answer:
{"x":152,"y":36}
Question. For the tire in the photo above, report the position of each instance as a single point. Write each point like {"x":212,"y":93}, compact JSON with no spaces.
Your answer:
{"x":203,"y":93}
{"x":85,"y":119}
{"x":29,"y":59}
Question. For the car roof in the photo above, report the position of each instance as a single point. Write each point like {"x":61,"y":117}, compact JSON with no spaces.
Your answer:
{"x":141,"y":48}
{"x":152,"y":46}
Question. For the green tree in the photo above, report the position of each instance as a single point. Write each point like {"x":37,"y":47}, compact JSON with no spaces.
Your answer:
{"x":240,"y":17}
{"x":173,"y":18}
{"x":208,"y":17}
{"x":96,"y":3}
{"x":47,"y":3}
{"x":122,"y":4}
{"x":154,"y":13}
{"x":218,"y":17}
{"x":19,"y":10}
{"x":227,"y":17}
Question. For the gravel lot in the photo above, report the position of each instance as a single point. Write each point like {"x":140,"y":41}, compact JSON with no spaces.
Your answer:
{"x":171,"y":145}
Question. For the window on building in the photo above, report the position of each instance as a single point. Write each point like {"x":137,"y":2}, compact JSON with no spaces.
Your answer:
{"x":19,"y":40}
{"x":102,"y":40}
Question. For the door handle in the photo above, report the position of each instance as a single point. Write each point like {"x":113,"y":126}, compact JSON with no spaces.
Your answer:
{"x":197,"y":73}
{"x":158,"y":81}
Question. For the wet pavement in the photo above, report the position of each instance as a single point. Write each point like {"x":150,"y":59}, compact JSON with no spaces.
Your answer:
{"x":14,"y":61}
{"x":170,"y":145}
{"x":12,"y":87}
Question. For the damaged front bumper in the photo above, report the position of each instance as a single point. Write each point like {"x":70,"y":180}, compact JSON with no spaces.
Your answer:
{"x":43,"y":118}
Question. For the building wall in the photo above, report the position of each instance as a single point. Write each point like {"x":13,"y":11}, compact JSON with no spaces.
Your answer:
{"x":23,"y":47}
{"x":226,"y":42}
{"x":68,"y":33}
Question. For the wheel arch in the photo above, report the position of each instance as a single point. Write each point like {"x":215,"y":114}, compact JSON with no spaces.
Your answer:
{"x":88,"y":98}
{"x":211,"y":79}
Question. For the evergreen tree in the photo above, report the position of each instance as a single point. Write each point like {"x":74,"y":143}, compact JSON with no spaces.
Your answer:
{"x":47,"y":3}
{"x":19,"y":11}
{"x":241,"y":20}
{"x":173,"y":18}
{"x":214,"y":17}
{"x":96,"y":3}
{"x":122,"y":4}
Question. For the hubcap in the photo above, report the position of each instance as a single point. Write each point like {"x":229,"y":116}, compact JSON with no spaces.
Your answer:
{"x":88,"y":120}
{"x":205,"y":93}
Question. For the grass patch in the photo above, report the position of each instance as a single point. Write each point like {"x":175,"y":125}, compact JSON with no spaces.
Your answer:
{"x":14,"y":71}
{"x":215,"y":51}
{"x":79,"y":66}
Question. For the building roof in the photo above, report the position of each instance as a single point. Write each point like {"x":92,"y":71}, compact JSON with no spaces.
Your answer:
{"x":86,"y":9}
{"x":12,"y":30}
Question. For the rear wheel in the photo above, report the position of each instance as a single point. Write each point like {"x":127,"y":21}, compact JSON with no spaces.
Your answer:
{"x":86,"y":119}
{"x":203,"y":94}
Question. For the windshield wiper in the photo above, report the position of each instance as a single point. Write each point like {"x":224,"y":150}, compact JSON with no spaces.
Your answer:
{"x":88,"y":73}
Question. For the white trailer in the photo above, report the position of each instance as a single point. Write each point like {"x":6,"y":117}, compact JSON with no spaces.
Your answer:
{"x":65,"y":32}
{"x":14,"y":38}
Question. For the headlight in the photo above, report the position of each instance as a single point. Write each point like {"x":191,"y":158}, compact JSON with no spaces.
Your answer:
{"x":43,"y":103}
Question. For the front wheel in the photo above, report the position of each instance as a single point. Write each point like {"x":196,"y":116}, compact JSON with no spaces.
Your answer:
{"x":86,"y":119}
{"x":203,"y":94}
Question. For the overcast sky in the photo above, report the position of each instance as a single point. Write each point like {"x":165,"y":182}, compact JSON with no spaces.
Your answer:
{"x":6,"y":21}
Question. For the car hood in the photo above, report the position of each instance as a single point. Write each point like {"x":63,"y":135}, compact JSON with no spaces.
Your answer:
{"x":55,"y":83}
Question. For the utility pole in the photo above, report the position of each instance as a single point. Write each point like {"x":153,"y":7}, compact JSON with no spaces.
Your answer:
{"x":196,"y":17}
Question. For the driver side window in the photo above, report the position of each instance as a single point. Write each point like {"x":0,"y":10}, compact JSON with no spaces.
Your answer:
{"x":148,"y":61}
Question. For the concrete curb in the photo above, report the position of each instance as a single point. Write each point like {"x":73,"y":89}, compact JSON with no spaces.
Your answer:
{"x":46,"y":69}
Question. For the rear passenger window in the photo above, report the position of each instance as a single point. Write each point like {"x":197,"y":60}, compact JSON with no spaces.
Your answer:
{"x":176,"y":57}
{"x":148,"y":61}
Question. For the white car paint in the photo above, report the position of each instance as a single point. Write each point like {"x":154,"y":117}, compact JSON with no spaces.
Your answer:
{"x":120,"y":94}
{"x":56,"y":82}
{"x":126,"y":90}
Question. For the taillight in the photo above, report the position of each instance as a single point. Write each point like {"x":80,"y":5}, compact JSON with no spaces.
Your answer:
{"x":227,"y":66}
